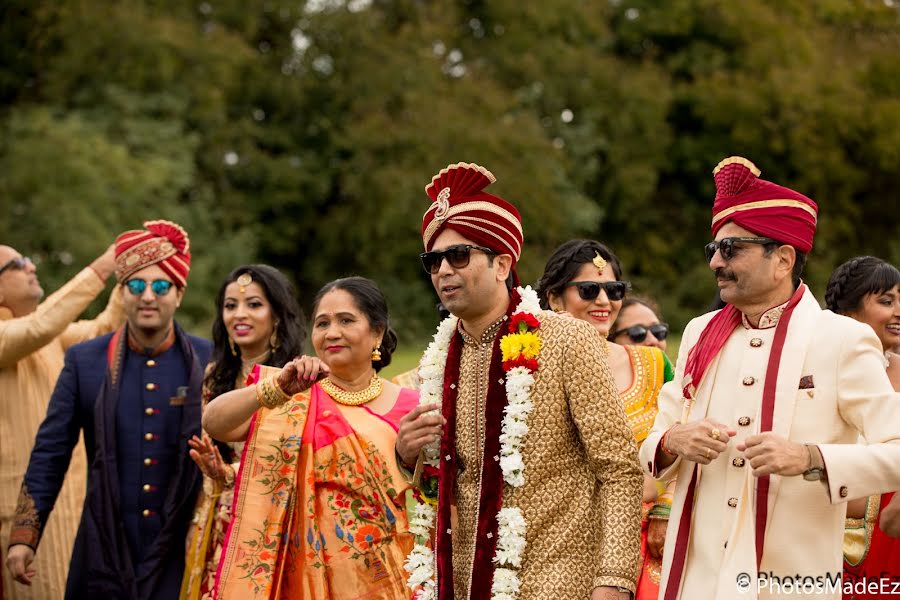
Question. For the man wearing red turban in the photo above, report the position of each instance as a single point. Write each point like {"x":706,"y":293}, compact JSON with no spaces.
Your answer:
{"x":135,"y":394}
{"x":760,"y":424}
{"x":532,"y":447}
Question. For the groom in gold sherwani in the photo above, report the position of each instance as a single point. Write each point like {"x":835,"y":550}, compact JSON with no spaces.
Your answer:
{"x":580,"y":499}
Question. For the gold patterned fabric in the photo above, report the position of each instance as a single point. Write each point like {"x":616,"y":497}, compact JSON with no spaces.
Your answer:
{"x":582,"y":492}
{"x":858,"y":533}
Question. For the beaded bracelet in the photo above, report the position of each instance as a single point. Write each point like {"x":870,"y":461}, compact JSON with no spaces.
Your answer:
{"x":269,"y":393}
{"x":660,"y":511}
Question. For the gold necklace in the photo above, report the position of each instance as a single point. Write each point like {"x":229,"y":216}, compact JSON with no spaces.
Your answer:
{"x":346,"y":398}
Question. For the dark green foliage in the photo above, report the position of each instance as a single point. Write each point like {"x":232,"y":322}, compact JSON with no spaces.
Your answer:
{"x":302,"y":133}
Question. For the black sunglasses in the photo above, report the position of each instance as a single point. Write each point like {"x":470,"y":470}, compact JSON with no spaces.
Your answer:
{"x":457,"y":257}
{"x":160,"y":287}
{"x":18,"y":264}
{"x":726,"y":245}
{"x":638,"y":333}
{"x":589,"y":290}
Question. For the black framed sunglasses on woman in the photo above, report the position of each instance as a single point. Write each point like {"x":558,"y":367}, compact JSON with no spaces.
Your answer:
{"x":589,"y":290}
{"x":726,"y":246}
{"x":638,"y":333}
{"x":457,"y":256}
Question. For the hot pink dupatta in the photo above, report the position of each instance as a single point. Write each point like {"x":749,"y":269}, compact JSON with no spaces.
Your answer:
{"x":318,"y":508}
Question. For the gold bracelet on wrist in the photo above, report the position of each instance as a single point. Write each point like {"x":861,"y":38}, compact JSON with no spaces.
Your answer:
{"x":269,"y":394}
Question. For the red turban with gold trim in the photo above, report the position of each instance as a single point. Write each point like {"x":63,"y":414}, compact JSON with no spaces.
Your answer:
{"x":459,"y":203}
{"x":161,"y":242}
{"x":760,"y":206}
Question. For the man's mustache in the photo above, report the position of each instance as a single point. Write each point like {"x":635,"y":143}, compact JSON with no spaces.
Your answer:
{"x":726,"y":274}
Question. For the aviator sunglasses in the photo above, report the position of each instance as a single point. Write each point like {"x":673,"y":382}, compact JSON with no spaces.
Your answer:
{"x":457,"y":257}
{"x":589,"y":290}
{"x":160,"y":287}
{"x":638,"y":333}
{"x":18,"y":264}
{"x":725,"y":246}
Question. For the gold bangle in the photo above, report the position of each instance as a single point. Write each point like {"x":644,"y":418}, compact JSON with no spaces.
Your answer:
{"x":269,"y":394}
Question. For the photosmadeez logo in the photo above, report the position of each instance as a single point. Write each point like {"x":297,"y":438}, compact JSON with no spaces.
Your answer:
{"x":813,"y":585}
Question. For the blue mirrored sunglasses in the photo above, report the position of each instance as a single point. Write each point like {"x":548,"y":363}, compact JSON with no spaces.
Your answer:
{"x":160,"y":287}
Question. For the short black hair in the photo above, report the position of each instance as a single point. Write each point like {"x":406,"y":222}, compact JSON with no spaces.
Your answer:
{"x":564,"y":263}
{"x":857,"y":278}
{"x":371,"y":302}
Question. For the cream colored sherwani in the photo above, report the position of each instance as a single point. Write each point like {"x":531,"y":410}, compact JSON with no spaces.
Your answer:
{"x":831,"y":387}
{"x":582,"y":492}
{"x":31,"y":357}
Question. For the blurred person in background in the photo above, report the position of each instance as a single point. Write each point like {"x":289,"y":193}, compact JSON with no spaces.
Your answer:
{"x":638,"y":323}
{"x":582,"y":278}
{"x":135,"y":395}
{"x":258,"y":322}
{"x":34,"y":336}
{"x":867,"y":289}
{"x":320,"y":508}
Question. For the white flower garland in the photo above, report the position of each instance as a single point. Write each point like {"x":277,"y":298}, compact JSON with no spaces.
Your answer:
{"x":511,"y":522}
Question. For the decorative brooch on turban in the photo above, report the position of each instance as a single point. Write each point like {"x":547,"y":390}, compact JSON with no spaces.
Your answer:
{"x":162,"y":243}
{"x":459,"y":202}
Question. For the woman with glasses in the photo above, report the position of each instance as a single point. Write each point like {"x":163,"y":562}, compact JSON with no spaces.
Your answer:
{"x":320,"y":510}
{"x":867,"y":289}
{"x":258,"y":321}
{"x":584,"y":279}
{"x":638,"y":323}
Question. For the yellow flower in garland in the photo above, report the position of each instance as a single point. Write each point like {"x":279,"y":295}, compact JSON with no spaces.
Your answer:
{"x":516,"y":346}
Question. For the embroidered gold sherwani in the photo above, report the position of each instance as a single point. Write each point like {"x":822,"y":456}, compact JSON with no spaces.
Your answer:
{"x":31,"y":358}
{"x":582,"y":492}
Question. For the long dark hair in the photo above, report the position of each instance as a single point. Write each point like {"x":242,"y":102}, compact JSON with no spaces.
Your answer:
{"x":371,"y":302}
{"x":564,"y":263}
{"x":857,"y":278}
{"x":291,"y":329}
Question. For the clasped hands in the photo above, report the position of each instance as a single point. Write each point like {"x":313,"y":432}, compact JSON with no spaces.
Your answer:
{"x":768,"y":453}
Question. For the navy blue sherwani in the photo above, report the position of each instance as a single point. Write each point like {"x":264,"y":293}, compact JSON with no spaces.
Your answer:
{"x":137,"y":409}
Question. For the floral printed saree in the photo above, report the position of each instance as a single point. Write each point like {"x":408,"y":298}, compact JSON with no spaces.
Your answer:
{"x":319,"y":510}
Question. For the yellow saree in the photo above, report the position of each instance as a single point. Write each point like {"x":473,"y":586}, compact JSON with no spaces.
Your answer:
{"x":319,"y":505}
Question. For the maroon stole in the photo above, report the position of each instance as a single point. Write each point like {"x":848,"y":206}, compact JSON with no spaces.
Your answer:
{"x":491,"y":491}
{"x":709,"y":344}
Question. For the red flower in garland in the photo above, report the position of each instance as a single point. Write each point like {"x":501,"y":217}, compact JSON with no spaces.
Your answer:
{"x":528,"y":319}
{"x":529,"y":363}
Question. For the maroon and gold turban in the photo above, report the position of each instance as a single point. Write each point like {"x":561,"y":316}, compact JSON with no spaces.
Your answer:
{"x":760,"y":206}
{"x":160,"y":242}
{"x":459,"y":203}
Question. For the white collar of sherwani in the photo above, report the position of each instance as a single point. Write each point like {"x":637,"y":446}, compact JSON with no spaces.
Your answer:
{"x":768,"y":319}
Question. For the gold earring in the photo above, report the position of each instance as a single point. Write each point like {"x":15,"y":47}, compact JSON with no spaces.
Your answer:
{"x":231,"y":344}
{"x":273,"y":339}
{"x":376,"y":354}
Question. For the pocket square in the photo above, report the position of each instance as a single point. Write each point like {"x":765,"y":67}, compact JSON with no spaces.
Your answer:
{"x":806,"y":382}
{"x":180,"y":396}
